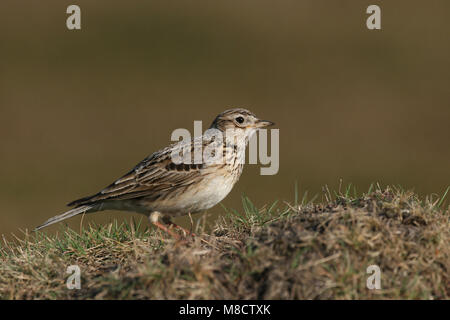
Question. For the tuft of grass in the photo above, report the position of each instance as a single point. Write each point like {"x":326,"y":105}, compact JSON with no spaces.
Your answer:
{"x":299,"y":250}
{"x":441,"y":200}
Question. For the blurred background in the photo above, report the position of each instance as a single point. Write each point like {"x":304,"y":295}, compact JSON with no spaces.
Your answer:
{"x":80,"y":108}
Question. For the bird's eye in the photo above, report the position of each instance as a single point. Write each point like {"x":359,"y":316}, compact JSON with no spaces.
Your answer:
{"x":240,"y":120}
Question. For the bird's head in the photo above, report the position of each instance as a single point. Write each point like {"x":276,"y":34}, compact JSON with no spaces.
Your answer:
{"x":240,"y":121}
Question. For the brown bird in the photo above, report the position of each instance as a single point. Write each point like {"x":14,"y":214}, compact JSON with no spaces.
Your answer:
{"x":162,"y":186}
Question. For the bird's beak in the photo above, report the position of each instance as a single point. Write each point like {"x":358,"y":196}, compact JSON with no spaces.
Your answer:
{"x":264,"y":123}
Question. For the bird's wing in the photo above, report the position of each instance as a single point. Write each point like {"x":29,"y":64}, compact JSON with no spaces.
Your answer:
{"x":154,"y":176}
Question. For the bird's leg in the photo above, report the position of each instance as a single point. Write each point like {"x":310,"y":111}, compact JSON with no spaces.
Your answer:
{"x":174,"y":225}
{"x":164,"y":228}
{"x":154,"y":217}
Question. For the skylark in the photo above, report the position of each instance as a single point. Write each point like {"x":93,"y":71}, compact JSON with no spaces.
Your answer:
{"x":163,"y":187}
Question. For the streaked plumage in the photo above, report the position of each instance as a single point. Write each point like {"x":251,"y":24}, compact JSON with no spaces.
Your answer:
{"x":159,"y":184}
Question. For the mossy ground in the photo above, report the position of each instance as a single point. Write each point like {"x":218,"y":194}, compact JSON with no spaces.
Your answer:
{"x":292,"y":251}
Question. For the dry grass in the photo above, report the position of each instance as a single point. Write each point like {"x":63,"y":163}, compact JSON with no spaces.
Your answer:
{"x":302,"y":251}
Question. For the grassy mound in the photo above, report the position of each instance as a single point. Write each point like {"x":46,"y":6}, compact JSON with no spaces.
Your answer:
{"x":301,"y":251}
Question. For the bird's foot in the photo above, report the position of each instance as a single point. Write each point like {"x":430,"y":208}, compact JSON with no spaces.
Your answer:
{"x":167,"y":230}
{"x":185,"y":231}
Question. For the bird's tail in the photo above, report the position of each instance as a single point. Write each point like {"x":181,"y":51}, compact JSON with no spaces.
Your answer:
{"x":65,"y":215}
